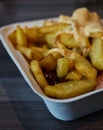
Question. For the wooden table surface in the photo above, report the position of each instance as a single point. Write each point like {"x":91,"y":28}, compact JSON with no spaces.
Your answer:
{"x":20,"y":107}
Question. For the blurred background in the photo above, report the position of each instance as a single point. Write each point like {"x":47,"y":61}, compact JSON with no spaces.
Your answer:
{"x":12,"y":11}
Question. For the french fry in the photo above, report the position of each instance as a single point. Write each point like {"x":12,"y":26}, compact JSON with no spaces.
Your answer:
{"x":50,"y":39}
{"x":70,"y":89}
{"x":33,"y":35}
{"x":40,"y":50}
{"x":38,"y":74}
{"x":67,"y":39}
{"x":29,"y":53}
{"x":48,"y":63}
{"x":73,"y":75}
{"x":84,"y":67}
{"x":62,"y":67}
{"x":96,"y":34}
{"x":96,"y":53}
{"x":12,"y":38}
{"x":20,"y":36}
{"x":51,"y":28}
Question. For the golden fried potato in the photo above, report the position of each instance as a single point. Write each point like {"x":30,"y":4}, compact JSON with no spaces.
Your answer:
{"x":67,"y":39}
{"x":96,"y":34}
{"x":42,"y":50}
{"x":48,"y":63}
{"x":50,"y":39}
{"x":84,"y":67}
{"x":70,"y":89}
{"x":62,"y":67}
{"x":33,"y":35}
{"x":20,"y":36}
{"x":96,"y":53}
{"x":51,"y":28}
{"x":29,"y":53}
{"x":12,"y":38}
{"x":73,"y":75}
{"x":38,"y":74}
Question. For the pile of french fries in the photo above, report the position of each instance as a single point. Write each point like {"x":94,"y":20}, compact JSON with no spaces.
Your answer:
{"x":65,"y":55}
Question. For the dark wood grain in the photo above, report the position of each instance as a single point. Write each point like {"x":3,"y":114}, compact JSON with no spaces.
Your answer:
{"x":20,"y":107}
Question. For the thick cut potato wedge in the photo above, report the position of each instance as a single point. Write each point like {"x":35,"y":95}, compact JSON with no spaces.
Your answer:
{"x":62,"y":67}
{"x":67,"y":39}
{"x":70,"y":89}
{"x":50,"y":39}
{"x":33,"y":35}
{"x":96,"y":35}
{"x":51,"y":28}
{"x":29,"y":53}
{"x":84,"y":67}
{"x":96,"y":53}
{"x":37,"y":72}
{"x":12,"y":38}
{"x":73,"y":75}
{"x":48,"y":63}
{"x":20,"y":36}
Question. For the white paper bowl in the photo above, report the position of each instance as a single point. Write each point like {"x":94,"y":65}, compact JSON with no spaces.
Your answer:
{"x":66,"y":109}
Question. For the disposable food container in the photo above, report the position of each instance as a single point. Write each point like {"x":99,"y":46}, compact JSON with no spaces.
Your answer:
{"x":63,"y":109}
